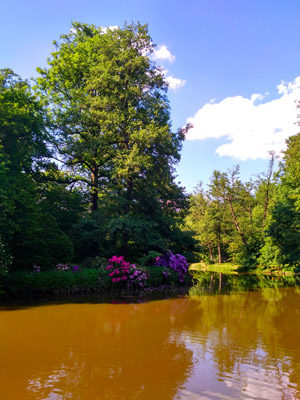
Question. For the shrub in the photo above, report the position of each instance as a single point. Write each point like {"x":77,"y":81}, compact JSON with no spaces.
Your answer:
{"x":49,"y":283}
{"x":176,"y":262}
{"x":61,"y":267}
{"x":161,"y":276}
{"x":126,"y":275}
{"x":35,"y":268}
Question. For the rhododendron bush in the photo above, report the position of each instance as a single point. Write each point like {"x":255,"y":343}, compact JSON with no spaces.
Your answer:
{"x":176,"y":262}
{"x":124,"y":274}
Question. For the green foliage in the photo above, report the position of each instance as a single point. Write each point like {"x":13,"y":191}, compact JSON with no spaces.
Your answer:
{"x":270,"y":257}
{"x":284,"y":227}
{"x":158,"y":276}
{"x":229,"y":219}
{"x":5,"y":258}
{"x":35,"y":215}
{"x":149,"y":258}
{"x":95,"y":263}
{"x":228,"y":268}
{"x":52,"y":283}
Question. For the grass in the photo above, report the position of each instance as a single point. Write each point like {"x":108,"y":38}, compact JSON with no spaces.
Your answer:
{"x":226,"y":268}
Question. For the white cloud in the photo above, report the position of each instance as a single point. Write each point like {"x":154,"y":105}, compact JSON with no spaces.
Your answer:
{"x":252,"y":130}
{"x":162,"y":53}
{"x":175,"y":83}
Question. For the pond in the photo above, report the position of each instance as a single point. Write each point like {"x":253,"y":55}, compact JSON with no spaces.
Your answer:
{"x":220,"y":341}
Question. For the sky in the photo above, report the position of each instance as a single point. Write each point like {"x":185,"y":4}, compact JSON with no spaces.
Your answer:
{"x":233,"y":68}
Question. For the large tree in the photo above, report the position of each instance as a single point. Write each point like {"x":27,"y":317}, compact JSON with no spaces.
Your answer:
{"x":111,"y":120}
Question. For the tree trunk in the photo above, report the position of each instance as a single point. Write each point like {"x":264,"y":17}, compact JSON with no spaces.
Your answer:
{"x":219,"y":253}
{"x":211,"y":257}
{"x":220,"y":282}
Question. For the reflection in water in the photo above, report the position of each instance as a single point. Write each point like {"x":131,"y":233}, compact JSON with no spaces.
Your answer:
{"x":245,"y":345}
{"x":90,"y":351}
{"x":237,"y":346}
{"x":212,"y":282}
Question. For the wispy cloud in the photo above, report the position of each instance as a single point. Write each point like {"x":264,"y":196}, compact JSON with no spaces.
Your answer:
{"x":251,"y":128}
{"x":162,"y":53}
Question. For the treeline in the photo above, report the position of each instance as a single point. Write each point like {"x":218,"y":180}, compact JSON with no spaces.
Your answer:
{"x":87,"y":155}
{"x":254,"y":224}
{"x":87,"y":168}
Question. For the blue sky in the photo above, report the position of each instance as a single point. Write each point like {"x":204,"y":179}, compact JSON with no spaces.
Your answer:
{"x":234,"y":67}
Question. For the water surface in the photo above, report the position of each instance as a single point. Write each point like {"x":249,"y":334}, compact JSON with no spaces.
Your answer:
{"x":239,"y":346}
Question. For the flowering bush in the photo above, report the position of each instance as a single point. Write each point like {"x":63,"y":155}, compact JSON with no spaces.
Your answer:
{"x":36,"y":268}
{"x":124,"y":274}
{"x":62,"y":267}
{"x":176,"y":262}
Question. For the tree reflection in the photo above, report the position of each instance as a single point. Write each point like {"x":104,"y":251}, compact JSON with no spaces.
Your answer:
{"x":96,"y":352}
{"x":252,"y":338}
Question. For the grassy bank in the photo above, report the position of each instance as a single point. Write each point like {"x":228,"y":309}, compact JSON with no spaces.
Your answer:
{"x":226,"y":268}
{"x":230,"y":268}
{"x":16,"y":285}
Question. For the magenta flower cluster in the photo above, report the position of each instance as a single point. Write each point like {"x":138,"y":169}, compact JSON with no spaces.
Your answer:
{"x":125,"y":274}
{"x":176,"y":262}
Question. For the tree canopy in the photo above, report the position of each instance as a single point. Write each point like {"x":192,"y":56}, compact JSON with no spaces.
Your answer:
{"x":112,"y":132}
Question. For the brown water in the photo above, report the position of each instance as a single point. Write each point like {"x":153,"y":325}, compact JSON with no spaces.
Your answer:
{"x":238,"y":346}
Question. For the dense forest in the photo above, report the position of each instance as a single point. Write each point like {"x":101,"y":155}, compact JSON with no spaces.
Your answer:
{"x":87,"y":168}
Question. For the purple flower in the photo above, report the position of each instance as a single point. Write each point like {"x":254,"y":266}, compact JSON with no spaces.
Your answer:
{"x":176,"y":262}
